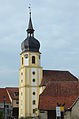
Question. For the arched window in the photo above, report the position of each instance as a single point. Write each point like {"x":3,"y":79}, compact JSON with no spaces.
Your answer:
{"x":33,"y":59}
{"x":22,"y":61}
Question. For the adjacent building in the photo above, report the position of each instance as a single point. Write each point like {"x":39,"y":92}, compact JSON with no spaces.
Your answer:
{"x":13,"y":93}
{"x":60,"y":94}
{"x":9,"y":102}
{"x":5,"y":104}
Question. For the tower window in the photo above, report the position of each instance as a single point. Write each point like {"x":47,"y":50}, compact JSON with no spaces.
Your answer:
{"x":33,"y":72}
{"x":21,"y":93}
{"x":22,"y":61}
{"x":33,"y":80}
{"x":33,"y":59}
{"x":21,"y":73}
{"x":17,"y":101}
{"x":33,"y":93}
{"x":21,"y":81}
{"x":33,"y":110}
{"x":34,"y":102}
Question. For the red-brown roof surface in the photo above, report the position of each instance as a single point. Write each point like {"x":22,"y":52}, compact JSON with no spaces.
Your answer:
{"x":54,"y":75}
{"x":2,"y":94}
{"x":59,"y":92}
{"x":50,"y":102}
{"x":12,"y":92}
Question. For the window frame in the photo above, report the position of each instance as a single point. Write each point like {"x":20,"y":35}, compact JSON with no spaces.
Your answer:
{"x":34,"y":102}
{"x":33,"y":59}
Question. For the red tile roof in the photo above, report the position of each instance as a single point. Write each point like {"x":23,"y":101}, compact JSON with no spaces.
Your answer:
{"x":54,"y":75}
{"x":13,"y":92}
{"x":3,"y":93}
{"x":59,"y":92}
{"x":50,"y":102}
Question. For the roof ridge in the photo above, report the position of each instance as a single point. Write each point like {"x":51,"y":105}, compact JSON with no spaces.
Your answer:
{"x":55,"y":70}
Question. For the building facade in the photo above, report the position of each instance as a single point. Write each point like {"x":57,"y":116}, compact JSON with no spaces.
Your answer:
{"x":63,"y":94}
{"x":13,"y":94}
{"x":5,"y":104}
{"x":30,"y":75}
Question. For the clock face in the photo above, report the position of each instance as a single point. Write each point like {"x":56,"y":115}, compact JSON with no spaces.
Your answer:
{"x":26,"y":55}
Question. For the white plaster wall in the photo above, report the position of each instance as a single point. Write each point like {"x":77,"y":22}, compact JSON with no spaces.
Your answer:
{"x":40,"y":61}
{"x":22,"y":93}
{"x":21,"y":77}
{"x":33,"y":97}
{"x":39,"y":76}
{"x":43,"y":115}
{"x":27,"y":101}
{"x":75,"y":111}
{"x":67,"y":115}
{"x":21,"y":74}
{"x":33,"y":77}
{"x":26,"y":61}
{"x":27,"y":76}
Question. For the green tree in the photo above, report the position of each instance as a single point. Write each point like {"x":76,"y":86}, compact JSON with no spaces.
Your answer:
{"x":1,"y":115}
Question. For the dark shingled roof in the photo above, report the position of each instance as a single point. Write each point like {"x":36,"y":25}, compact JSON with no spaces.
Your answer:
{"x":59,"y":92}
{"x":30,"y":43}
{"x":54,"y":75}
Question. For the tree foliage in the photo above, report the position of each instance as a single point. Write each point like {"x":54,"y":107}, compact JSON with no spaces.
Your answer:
{"x":1,"y":115}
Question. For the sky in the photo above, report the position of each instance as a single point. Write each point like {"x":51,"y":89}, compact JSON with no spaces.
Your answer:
{"x":56,"y":24}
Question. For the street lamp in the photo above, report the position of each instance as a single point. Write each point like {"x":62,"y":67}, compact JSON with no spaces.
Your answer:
{"x":4,"y":98}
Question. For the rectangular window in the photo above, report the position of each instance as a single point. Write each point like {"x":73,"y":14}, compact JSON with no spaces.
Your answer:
{"x":6,"y":106}
{"x":33,"y":110}
{"x":17,"y":101}
{"x":8,"y":111}
{"x":16,"y":93}
{"x":33,"y":59}
{"x":21,"y":73}
{"x":21,"y":80}
{"x":34,"y":102}
{"x":21,"y":93}
{"x":21,"y":111}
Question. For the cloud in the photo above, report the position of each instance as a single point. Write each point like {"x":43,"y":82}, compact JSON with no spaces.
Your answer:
{"x":9,"y":77}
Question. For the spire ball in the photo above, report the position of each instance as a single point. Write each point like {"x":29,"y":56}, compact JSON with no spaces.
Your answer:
{"x":29,"y":8}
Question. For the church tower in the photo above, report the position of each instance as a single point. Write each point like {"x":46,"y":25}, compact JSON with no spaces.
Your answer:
{"x":30,"y":74}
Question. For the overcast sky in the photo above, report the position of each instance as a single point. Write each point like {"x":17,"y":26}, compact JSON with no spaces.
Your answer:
{"x":56,"y":24}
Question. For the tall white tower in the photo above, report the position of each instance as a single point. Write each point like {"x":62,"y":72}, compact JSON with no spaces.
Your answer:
{"x":30,"y":75}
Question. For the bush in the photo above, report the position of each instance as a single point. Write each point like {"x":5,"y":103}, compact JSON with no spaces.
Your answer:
{"x":1,"y":115}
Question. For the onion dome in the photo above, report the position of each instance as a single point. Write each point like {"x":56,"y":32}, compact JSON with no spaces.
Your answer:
{"x":30,"y":43}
